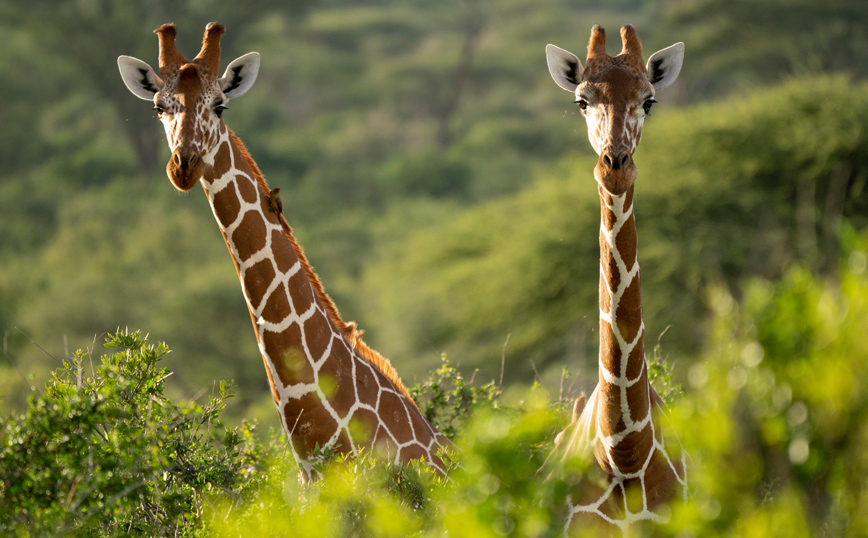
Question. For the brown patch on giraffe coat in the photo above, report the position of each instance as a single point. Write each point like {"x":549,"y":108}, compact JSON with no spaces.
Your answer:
{"x":637,"y":400}
{"x":257,"y":279}
{"x":344,"y":393}
{"x":607,"y":216}
{"x":626,"y":242}
{"x":248,"y":191}
{"x":226,"y":206}
{"x":605,"y":295}
{"x":286,"y":353}
{"x":276,"y":307}
{"x":310,"y":423}
{"x":636,"y":360}
{"x":394,"y":415}
{"x":610,"y":351}
{"x":661,"y":483}
{"x":628,"y":313}
{"x":299,"y":290}
{"x":284,"y":255}
{"x":317,"y":334}
{"x":366,"y":385}
{"x":222,"y":161}
{"x":613,"y":420}
{"x":421,"y":427}
{"x":413,"y":452}
{"x":630,"y":454}
{"x":249,"y":237}
{"x":290,"y":361}
{"x":609,"y":267}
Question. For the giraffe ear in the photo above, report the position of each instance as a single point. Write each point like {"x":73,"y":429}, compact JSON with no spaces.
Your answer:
{"x":664,"y":65}
{"x":565,"y":67}
{"x":139,"y":77}
{"x":240,"y":75}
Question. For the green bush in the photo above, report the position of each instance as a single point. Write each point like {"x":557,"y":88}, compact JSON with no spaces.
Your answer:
{"x":773,"y":419}
{"x":103,"y":452}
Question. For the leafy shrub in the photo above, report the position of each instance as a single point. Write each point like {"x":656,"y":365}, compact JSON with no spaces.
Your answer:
{"x":773,"y":418}
{"x":109,"y":454}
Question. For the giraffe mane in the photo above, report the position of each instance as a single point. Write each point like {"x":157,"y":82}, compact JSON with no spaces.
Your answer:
{"x":348,"y":329}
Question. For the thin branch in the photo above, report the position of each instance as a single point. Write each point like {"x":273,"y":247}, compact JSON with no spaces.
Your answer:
{"x":503,"y":359}
{"x":536,"y":372}
{"x":37,"y":345}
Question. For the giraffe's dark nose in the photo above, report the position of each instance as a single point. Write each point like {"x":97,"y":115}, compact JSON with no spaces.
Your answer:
{"x":615,"y":170}
{"x":185,"y":168}
{"x":185,"y":158}
{"x":615,"y":160}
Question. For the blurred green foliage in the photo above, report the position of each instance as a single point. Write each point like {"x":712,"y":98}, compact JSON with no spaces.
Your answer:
{"x":773,"y":417}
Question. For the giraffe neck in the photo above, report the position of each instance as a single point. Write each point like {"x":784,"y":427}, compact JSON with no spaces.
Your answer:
{"x":618,"y":420}
{"x":330,"y":389}
{"x":625,"y":433}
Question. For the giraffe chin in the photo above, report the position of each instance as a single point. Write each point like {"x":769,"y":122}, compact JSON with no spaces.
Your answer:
{"x":616,"y":182}
{"x":185,"y":178}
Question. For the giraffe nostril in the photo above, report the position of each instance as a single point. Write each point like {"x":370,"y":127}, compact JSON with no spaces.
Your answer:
{"x":176,"y":158}
{"x":616,"y":161}
{"x":624,"y":159}
{"x":193,"y":159}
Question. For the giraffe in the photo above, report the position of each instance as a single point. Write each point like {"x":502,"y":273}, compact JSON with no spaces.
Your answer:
{"x":333,"y":393}
{"x":620,"y":421}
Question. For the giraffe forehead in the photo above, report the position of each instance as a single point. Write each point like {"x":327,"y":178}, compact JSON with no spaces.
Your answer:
{"x":616,"y":79}
{"x":192,"y":87}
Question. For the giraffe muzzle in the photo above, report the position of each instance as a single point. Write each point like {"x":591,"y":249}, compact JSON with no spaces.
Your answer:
{"x":185,"y":168}
{"x":615,"y":171}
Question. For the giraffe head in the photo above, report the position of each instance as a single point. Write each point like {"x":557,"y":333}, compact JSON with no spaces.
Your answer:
{"x":615,"y":94}
{"x":190,"y":97}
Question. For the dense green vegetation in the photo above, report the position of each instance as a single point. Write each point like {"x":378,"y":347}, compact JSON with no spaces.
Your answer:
{"x":774,"y":421}
{"x":441,"y":184}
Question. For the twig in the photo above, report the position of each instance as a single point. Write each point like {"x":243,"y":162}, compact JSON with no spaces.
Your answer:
{"x":536,"y":372}
{"x":661,"y":334}
{"x":503,"y":359}
{"x":37,"y":345}
{"x":561,"y":390}
{"x":90,"y":353}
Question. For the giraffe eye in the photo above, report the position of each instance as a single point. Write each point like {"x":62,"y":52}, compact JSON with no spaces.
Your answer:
{"x":582,"y":103}
{"x":647,"y":105}
{"x":160,"y":110}
{"x":218,"y":110}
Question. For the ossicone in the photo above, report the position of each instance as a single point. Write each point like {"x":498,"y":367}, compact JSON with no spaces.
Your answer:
{"x":170,"y":59}
{"x":597,"y":44}
{"x":209,"y":57}
{"x":631,"y":43}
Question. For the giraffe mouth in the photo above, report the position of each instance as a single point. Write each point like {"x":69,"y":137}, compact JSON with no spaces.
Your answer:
{"x":185,"y":168}
{"x":616,"y":174}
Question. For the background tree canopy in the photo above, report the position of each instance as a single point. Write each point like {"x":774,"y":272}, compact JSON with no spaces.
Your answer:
{"x":438,"y":179}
